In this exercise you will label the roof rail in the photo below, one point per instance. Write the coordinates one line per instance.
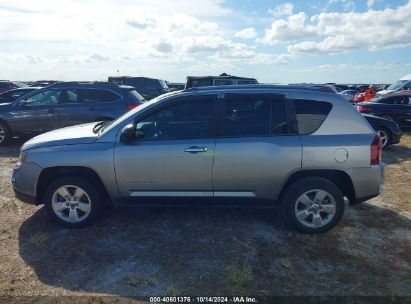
(318, 88)
(79, 83)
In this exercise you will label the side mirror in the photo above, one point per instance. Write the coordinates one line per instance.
(127, 133)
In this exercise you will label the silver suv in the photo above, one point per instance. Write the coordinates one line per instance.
(294, 145)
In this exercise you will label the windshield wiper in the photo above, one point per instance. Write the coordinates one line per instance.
(100, 125)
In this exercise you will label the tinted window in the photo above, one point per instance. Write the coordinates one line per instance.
(44, 98)
(219, 82)
(240, 82)
(247, 117)
(202, 83)
(152, 84)
(187, 120)
(88, 95)
(5, 85)
(311, 114)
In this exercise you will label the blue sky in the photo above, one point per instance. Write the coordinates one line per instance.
(275, 41)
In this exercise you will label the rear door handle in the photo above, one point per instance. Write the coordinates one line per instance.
(92, 108)
(195, 149)
(51, 111)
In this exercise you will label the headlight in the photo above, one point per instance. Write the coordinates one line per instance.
(22, 158)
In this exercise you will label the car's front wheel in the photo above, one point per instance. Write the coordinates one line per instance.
(313, 205)
(73, 201)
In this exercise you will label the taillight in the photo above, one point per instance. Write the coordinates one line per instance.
(364, 109)
(131, 106)
(376, 150)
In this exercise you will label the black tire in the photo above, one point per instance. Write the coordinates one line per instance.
(93, 191)
(388, 134)
(300, 187)
(5, 131)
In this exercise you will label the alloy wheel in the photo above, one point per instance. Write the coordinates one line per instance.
(315, 208)
(71, 203)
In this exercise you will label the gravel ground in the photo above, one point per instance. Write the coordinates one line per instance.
(134, 253)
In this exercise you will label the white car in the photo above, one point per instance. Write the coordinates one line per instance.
(402, 84)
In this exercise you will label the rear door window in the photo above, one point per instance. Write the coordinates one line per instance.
(94, 95)
(311, 114)
(254, 115)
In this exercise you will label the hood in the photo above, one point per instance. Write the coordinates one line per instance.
(383, 92)
(80, 134)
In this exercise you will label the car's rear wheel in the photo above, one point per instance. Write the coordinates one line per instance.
(384, 135)
(313, 205)
(5, 134)
(73, 201)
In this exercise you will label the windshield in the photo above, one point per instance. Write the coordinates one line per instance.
(131, 113)
(397, 85)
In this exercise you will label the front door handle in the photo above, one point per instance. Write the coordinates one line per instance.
(92, 108)
(195, 149)
(51, 111)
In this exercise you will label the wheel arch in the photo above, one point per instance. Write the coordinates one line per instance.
(340, 178)
(50, 173)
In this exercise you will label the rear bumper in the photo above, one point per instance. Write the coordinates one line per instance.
(367, 182)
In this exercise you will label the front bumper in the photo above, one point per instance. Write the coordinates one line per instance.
(26, 198)
(24, 179)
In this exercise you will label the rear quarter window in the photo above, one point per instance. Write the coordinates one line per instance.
(311, 114)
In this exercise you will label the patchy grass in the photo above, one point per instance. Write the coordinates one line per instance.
(239, 274)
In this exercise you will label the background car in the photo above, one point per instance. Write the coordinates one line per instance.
(223, 79)
(390, 133)
(396, 107)
(43, 83)
(6, 85)
(149, 88)
(65, 104)
(404, 83)
(14, 94)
